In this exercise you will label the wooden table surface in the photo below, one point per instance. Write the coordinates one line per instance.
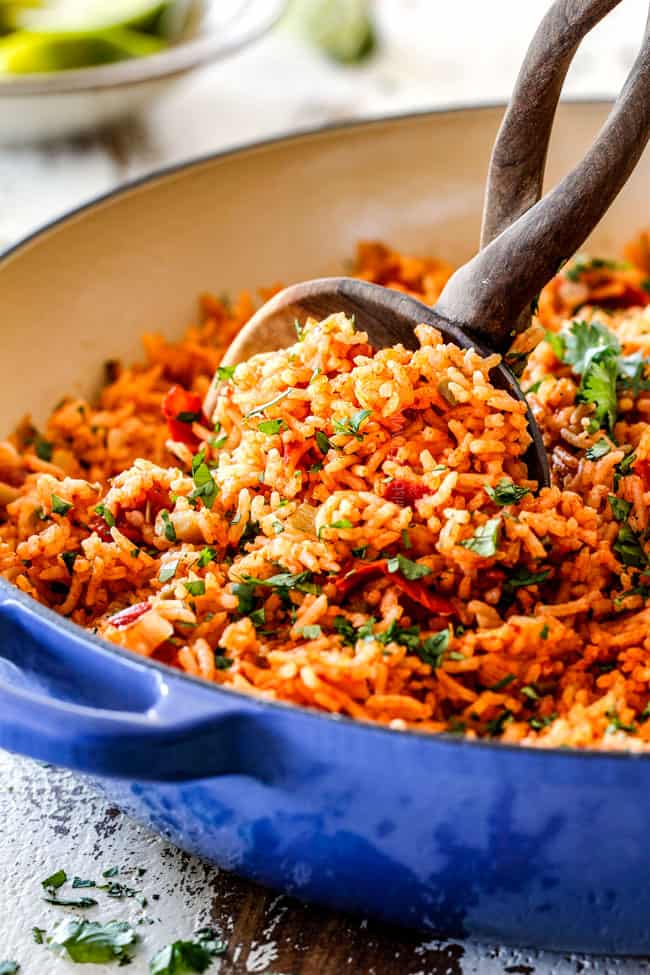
(431, 54)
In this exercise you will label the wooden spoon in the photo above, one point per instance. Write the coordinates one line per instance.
(486, 303)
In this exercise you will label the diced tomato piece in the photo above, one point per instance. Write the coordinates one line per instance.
(180, 403)
(97, 524)
(129, 615)
(404, 493)
(630, 297)
(414, 589)
(642, 468)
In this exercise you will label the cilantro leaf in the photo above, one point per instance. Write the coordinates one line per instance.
(345, 630)
(55, 881)
(168, 526)
(351, 425)
(168, 571)
(433, 649)
(222, 663)
(271, 427)
(259, 410)
(409, 569)
(584, 340)
(225, 373)
(628, 548)
(522, 577)
(598, 386)
(311, 632)
(485, 540)
(185, 957)
(207, 555)
(9, 967)
(205, 487)
(582, 264)
(322, 442)
(59, 506)
(300, 581)
(43, 448)
(620, 507)
(600, 449)
(106, 514)
(506, 492)
(245, 592)
(189, 416)
(91, 941)
(196, 587)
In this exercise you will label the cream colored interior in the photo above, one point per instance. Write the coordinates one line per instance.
(83, 291)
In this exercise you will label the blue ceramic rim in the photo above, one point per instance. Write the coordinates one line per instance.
(105, 646)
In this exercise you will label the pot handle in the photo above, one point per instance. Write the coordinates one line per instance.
(79, 703)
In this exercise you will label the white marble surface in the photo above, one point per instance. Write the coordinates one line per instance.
(431, 54)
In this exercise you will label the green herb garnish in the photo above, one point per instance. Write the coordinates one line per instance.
(225, 373)
(185, 957)
(205, 487)
(506, 492)
(44, 449)
(311, 632)
(409, 569)
(195, 587)
(620, 507)
(188, 416)
(271, 427)
(91, 941)
(628, 548)
(522, 577)
(168, 571)
(501, 684)
(59, 506)
(485, 540)
(259, 410)
(351, 425)
(9, 967)
(168, 525)
(55, 881)
(207, 555)
(106, 514)
(598, 450)
(433, 649)
(68, 559)
(322, 442)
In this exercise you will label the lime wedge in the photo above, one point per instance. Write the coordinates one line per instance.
(343, 29)
(87, 15)
(26, 53)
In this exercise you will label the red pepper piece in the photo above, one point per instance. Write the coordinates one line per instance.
(177, 402)
(404, 493)
(630, 297)
(414, 589)
(642, 468)
(129, 615)
(97, 524)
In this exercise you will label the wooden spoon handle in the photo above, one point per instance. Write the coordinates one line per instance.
(489, 293)
(516, 172)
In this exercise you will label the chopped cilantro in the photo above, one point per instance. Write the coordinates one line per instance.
(311, 632)
(529, 691)
(206, 556)
(406, 636)
(623, 468)
(433, 649)
(351, 425)
(9, 967)
(598, 450)
(188, 416)
(271, 427)
(55, 881)
(81, 902)
(406, 539)
(314, 468)
(615, 724)
(91, 941)
(628, 548)
(538, 723)
(111, 872)
(225, 373)
(496, 725)
(222, 663)
(322, 442)
(360, 553)
(544, 632)
(106, 514)
(409, 569)
(245, 593)
(300, 334)
(78, 882)
(217, 442)
(185, 957)
(485, 540)
(501, 684)
(278, 527)
(583, 264)
(258, 617)
(195, 587)
(168, 525)
(168, 571)
(522, 577)
(534, 387)
(59, 506)
(299, 581)
(44, 449)
(506, 492)
(68, 559)
(620, 507)
(205, 487)
(343, 523)
(345, 630)
(37, 935)
(598, 387)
